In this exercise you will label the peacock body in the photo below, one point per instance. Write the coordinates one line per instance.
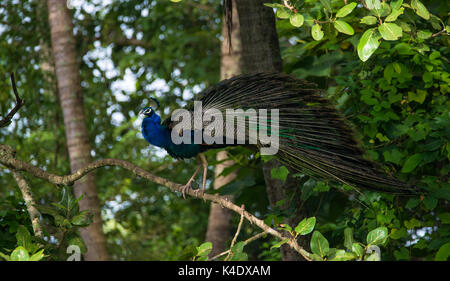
(313, 136)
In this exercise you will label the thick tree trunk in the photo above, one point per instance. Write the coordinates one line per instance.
(261, 52)
(219, 222)
(71, 99)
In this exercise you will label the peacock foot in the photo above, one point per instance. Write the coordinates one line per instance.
(185, 188)
(188, 186)
(199, 192)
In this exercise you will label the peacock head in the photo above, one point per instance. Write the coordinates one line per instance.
(149, 111)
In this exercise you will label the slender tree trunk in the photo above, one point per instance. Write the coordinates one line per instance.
(71, 99)
(261, 53)
(219, 222)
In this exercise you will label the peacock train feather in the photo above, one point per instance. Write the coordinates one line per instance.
(313, 136)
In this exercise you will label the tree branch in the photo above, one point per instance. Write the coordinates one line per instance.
(237, 233)
(251, 239)
(19, 102)
(7, 159)
(29, 201)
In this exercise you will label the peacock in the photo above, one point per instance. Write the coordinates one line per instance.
(313, 137)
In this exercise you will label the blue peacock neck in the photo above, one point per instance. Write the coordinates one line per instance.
(154, 132)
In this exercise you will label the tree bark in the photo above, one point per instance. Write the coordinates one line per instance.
(261, 53)
(71, 99)
(219, 222)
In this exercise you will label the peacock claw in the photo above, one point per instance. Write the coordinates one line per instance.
(200, 190)
(188, 186)
(183, 190)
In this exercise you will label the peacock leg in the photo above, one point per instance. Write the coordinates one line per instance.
(205, 170)
(188, 184)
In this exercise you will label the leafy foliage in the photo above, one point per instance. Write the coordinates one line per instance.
(63, 218)
(398, 103)
(391, 19)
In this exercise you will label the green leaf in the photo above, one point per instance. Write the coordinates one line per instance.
(412, 203)
(20, 254)
(241, 256)
(430, 202)
(377, 236)
(5, 257)
(347, 9)
(315, 257)
(445, 218)
(406, 28)
(280, 174)
(59, 206)
(397, 67)
(373, 4)
(84, 218)
(443, 253)
(175, 1)
(319, 244)
(267, 158)
(274, 5)
(37, 256)
(411, 163)
(398, 233)
(306, 226)
(394, 15)
(283, 13)
(412, 223)
(393, 156)
(418, 96)
(368, 44)
(357, 249)
(204, 249)
(237, 252)
(23, 237)
(296, 20)
(390, 31)
(284, 226)
(424, 34)
(343, 27)
(316, 32)
(188, 252)
(396, 4)
(382, 11)
(369, 20)
(327, 5)
(402, 254)
(381, 137)
(279, 244)
(67, 199)
(238, 247)
(420, 9)
(321, 187)
(62, 221)
(47, 210)
(348, 238)
(342, 255)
